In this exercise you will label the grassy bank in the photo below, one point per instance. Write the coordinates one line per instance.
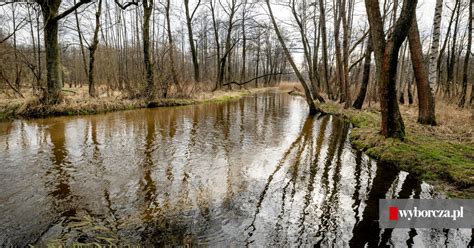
(442, 155)
(77, 102)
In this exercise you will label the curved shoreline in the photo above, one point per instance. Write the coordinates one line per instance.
(446, 164)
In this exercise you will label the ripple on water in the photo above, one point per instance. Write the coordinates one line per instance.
(255, 171)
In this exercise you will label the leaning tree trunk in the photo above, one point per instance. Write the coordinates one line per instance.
(309, 99)
(462, 99)
(426, 104)
(365, 76)
(392, 122)
(386, 55)
(92, 49)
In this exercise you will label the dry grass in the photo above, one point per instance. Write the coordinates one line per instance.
(454, 124)
(76, 101)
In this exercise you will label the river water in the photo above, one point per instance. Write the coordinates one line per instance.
(252, 172)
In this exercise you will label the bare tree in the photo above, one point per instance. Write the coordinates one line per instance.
(51, 17)
(462, 99)
(171, 50)
(435, 44)
(426, 104)
(322, 14)
(189, 21)
(309, 99)
(150, 85)
(386, 56)
(365, 76)
(93, 49)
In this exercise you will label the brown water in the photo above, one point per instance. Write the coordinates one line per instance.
(257, 172)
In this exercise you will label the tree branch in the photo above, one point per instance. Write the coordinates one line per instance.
(194, 11)
(70, 10)
(20, 25)
(126, 5)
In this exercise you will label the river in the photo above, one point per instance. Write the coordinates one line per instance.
(251, 172)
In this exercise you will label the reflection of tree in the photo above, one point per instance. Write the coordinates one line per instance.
(336, 146)
(61, 191)
(6, 127)
(183, 195)
(411, 188)
(363, 232)
(147, 185)
(299, 143)
(313, 169)
(357, 177)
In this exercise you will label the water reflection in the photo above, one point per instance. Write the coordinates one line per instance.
(253, 172)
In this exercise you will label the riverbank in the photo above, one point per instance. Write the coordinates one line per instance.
(77, 102)
(442, 155)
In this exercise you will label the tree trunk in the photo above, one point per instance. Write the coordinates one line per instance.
(174, 76)
(307, 51)
(435, 45)
(426, 104)
(339, 60)
(228, 46)
(365, 76)
(386, 55)
(322, 13)
(150, 84)
(346, 54)
(443, 47)
(309, 99)
(189, 20)
(51, 45)
(218, 47)
(462, 99)
(81, 43)
(452, 58)
(92, 49)
(392, 122)
(49, 9)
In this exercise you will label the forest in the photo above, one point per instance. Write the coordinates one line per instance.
(167, 49)
(400, 72)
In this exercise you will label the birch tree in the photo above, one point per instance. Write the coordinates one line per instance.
(435, 45)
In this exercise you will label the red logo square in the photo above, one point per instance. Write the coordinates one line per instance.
(393, 213)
